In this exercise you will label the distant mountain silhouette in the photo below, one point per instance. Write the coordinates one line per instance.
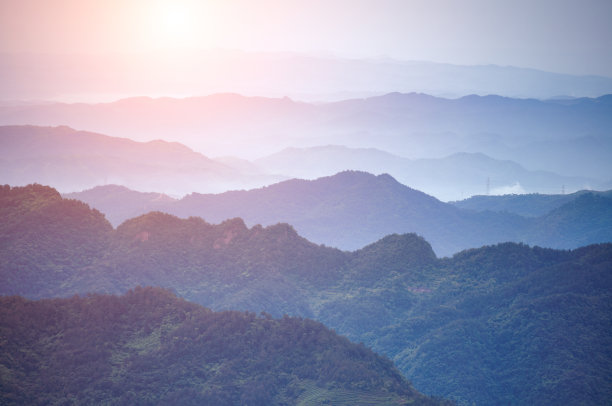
(568, 138)
(527, 205)
(75, 160)
(582, 221)
(352, 209)
(448, 178)
(121, 203)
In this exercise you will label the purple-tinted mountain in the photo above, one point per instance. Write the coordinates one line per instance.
(352, 209)
(118, 203)
(74, 160)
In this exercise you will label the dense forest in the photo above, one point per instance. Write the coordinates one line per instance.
(149, 347)
(503, 324)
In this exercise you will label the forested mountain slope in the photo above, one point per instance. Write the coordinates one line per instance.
(503, 324)
(150, 348)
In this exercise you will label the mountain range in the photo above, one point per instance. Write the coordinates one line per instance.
(502, 324)
(352, 209)
(567, 137)
(73, 160)
(447, 178)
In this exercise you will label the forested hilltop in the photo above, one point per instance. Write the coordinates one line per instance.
(503, 324)
(150, 348)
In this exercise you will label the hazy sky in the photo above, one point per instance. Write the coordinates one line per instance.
(568, 36)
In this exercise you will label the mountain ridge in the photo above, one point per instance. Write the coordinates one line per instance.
(352, 209)
(446, 178)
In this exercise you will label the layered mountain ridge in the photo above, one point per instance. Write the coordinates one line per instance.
(569, 138)
(352, 209)
(530, 324)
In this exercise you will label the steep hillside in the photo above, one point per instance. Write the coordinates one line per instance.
(46, 240)
(504, 324)
(149, 347)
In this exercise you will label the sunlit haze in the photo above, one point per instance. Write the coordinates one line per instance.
(248, 79)
(566, 36)
(211, 202)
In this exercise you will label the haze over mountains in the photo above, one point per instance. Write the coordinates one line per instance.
(449, 178)
(243, 203)
(457, 148)
(88, 77)
(503, 324)
(76, 160)
(531, 205)
(567, 137)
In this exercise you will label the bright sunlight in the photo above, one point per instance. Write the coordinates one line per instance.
(173, 24)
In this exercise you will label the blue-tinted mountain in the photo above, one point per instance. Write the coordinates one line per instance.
(448, 178)
(587, 219)
(526, 205)
(352, 209)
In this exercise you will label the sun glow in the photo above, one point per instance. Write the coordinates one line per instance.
(173, 25)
